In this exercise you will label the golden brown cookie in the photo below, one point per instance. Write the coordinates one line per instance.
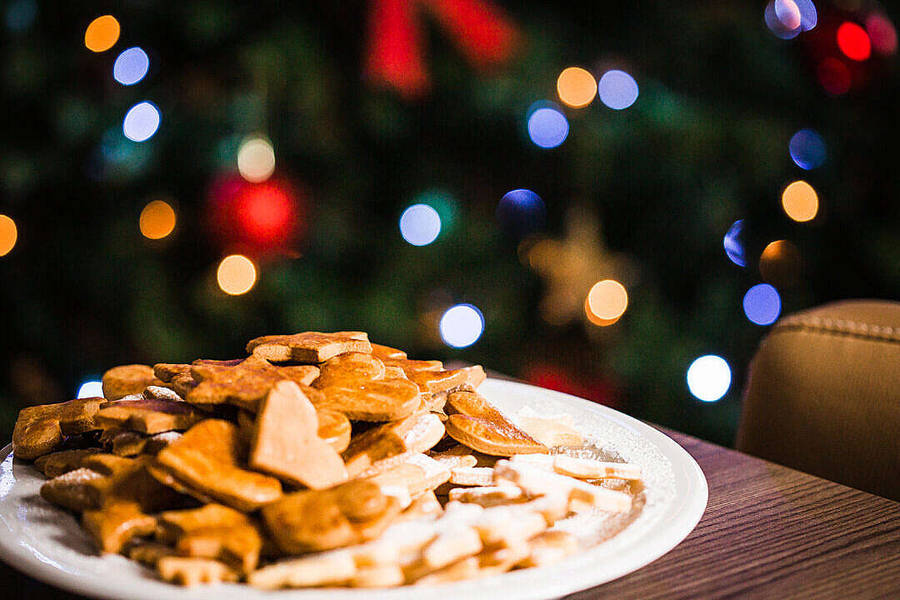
(147, 416)
(480, 426)
(378, 400)
(38, 432)
(309, 347)
(286, 443)
(416, 433)
(126, 380)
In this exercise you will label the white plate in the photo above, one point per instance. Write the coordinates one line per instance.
(47, 543)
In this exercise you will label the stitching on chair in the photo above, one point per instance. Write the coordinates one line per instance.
(841, 326)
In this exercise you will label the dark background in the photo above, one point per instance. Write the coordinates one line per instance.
(658, 184)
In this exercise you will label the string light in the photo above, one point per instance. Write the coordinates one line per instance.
(547, 125)
(102, 34)
(576, 87)
(141, 122)
(807, 149)
(762, 304)
(606, 302)
(256, 159)
(131, 66)
(461, 326)
(800, 201)
(617, 89)
(420, 224)
(734, 243)
(236, 274)
(157, 220)
(8, 234)
(709, 377)
(90, 389)
(854, 41)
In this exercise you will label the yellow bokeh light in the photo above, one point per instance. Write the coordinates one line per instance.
(8, 235)
(256, 159)
(102, 34)
(576, 87)
(236, 274)
(606, 302)
(779, 263)
(800, 201)
(157, 220)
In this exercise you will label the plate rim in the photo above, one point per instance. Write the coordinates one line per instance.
(689, 507)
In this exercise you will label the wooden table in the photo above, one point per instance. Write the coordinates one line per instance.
(768, 532)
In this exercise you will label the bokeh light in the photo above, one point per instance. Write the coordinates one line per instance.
(521, 212)
(420, 224)
(102, 33)
(882, 34)
(90, 389)
(576, 87)
(779, 263)
(606, 302)
(141, 122)
(775, 25)
(617, 89)
(809, 16)
(131, 66)
(807, 149)
(834, 76)
(762, 304)
(20, 14)
(734, 243)
(444, 202)
(709, 377)
(256, 159)
(157, 220)
(854, 41)
(547, 125)
(788, 13)
(800, 201)
(236, 274)
(461, 325)
(8, 234)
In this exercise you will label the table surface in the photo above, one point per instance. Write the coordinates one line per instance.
(768, 532)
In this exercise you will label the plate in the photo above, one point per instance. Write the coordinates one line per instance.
(48, 544)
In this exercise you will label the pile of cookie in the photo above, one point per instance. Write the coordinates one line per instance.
(320, 459)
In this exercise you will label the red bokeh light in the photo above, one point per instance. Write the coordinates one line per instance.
(882, 34)
(266, 213)
(834, 76)
(854, 41)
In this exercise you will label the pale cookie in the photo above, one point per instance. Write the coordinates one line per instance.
(509, 525)
(416, 433)
(587, 468)
(126, 380)
(381, 576)
(477, 476)
(37, 431)
(309, 347)
(453, 461)
(158, 392)
(491, 495)
(194, 571)
(206, 459)
(450, 546)
(537, 482)
(466, 568)
(286, 443)
(551, 432)
(328, 568)
(548, 548)
(423, 505)
(419, 473)
(79, 489)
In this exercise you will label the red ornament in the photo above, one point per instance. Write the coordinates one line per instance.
(255, 218)
(395, 49)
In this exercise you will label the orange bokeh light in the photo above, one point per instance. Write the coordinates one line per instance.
(606, 302)
(102, 34)
(157, 220)
(236, 274)
(800, 201)
(779, 263)
(576, 87)
(8, 235)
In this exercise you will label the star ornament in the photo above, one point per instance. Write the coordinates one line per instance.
(571, 265)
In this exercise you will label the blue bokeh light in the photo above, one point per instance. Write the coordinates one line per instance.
(617, 89)
(521, 212)
(762, 304)
(734, 243)
(420, 224)
(461, 325)
(131, 66)
(809, 16)
(547, 125)
(20, 15)
(775, 25)
(807, 149)
(141, 122)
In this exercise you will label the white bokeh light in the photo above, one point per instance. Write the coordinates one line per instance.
(709, 378)
(462, 325)
(420, 224)
(131, 66)
(141, 122)
(91, 389)
(256, 159)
